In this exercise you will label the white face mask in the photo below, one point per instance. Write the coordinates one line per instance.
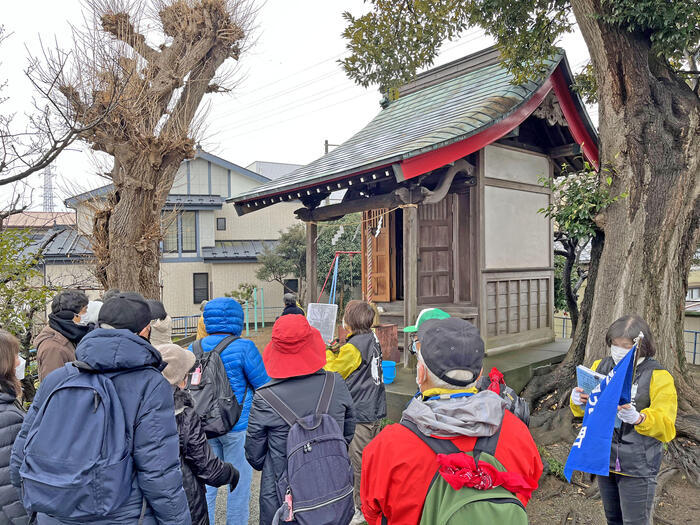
(618, 353)
(19, 370)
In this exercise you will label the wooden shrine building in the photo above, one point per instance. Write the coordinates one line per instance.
(447, 177)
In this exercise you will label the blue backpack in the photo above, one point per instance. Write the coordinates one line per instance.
(83, 469)
(316, 488)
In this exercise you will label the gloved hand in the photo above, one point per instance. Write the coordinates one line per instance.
(629, 414)
(233, 481)
(579, 397)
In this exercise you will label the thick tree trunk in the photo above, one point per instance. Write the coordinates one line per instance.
(131, 261)
(571, 299)
(650, 140)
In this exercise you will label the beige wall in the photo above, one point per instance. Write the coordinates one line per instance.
(509, 164)
(263, 224)
(178, 279)
(207, 227)
(73, 275)
(516, 236)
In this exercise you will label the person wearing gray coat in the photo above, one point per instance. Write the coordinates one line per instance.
(294, 360)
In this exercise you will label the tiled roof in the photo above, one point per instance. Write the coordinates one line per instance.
(438, 109)
(64, 243)
(40, 219)
(228, 250)
(194, 201)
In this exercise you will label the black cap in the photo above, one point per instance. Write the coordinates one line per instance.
(127, 310)
(157, 309)
(451, 344)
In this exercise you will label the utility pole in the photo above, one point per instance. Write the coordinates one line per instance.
(326, 146)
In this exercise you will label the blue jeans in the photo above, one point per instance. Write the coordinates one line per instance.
(230, 448)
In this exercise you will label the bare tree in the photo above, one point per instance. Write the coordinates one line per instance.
(172, 52)
(53, 125)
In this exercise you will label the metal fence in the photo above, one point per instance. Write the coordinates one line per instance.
(691, 338)
(185, 325)
(255, 319)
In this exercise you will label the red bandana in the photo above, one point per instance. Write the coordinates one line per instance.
(460, 471)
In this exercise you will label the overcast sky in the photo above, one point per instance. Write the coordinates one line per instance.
(292, 93)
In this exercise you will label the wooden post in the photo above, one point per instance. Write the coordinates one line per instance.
(311, 261)
(410, 275)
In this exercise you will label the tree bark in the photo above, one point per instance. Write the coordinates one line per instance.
(649, 131)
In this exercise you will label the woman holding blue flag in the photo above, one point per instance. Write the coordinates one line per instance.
(647, 422)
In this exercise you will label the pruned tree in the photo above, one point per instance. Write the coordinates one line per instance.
(30, 144)
(167, 73)
(644, 56)
(287, 258)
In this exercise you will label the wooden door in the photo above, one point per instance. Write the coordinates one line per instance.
(380, 254)
(435, 258)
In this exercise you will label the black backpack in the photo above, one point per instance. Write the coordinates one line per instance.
(516, 404)
(213, 397)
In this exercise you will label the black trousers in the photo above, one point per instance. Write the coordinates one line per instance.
(627, 500)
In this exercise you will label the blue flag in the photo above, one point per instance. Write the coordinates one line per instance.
(591, 450)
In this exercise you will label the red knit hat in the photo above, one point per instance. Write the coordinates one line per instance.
(296, 348)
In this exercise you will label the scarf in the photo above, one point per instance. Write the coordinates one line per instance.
(62, 322)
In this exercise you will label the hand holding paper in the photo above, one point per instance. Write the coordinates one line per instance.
(579, 396)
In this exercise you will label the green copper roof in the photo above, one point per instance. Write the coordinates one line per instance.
(442, 106)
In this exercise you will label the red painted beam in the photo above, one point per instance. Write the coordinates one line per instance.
(576, 125)
(420, 164)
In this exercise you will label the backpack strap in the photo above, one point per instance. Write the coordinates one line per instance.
(223, 344)
(324, 402)
(486, 444)
(439, 446)
(445, 446)
(279, 406)
(197, 349)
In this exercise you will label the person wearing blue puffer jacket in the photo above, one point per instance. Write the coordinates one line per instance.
(246, 372)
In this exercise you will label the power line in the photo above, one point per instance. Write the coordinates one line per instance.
(468, 38)
(274, 112)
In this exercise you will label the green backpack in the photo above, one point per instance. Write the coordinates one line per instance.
(447, 506)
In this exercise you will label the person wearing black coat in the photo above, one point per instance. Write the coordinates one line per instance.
(294, 359)
(291, 306)
(11, 417)
(198, 463)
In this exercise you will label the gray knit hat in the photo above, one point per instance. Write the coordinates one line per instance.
(179, 361)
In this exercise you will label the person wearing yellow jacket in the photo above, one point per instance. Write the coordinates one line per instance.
(359, 362)
(647, 422)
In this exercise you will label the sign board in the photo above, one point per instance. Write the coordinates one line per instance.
(323, 316)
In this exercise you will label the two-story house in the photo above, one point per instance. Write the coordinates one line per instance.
(207, 249)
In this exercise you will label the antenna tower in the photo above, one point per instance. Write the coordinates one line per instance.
(48, 189)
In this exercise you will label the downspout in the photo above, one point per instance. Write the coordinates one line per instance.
(439, 193)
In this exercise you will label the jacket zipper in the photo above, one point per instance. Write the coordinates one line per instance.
(314, 507)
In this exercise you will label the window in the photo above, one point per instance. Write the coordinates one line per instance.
(189, 232)
(181, 235)
(221, 223)
(170, 237)
(693, 294)
(291, 285)
(200, 285)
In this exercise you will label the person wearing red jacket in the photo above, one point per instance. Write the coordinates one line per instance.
(397, 467)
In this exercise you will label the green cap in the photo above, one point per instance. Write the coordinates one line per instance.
(426, 315)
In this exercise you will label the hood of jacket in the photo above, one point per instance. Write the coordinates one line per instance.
(223, 315)
(161, 331)
(476, 415)
(49, 333)
(107, 349)
(6, 398)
